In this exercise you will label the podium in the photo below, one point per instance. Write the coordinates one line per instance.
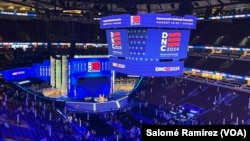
(148, 44)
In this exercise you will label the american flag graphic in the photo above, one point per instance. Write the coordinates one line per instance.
(137, 42)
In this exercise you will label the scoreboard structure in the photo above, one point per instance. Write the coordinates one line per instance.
(148, 44)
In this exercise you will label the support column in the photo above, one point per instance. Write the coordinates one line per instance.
(58, 74)
(112, 81)
(64, 75)
(52, 71)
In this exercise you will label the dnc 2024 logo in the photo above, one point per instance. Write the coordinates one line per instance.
(135, 20)
(94, 67)
(170, 41)
(116, 40)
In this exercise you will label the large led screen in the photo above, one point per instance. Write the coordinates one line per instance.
(148, 43)
(19, 73)
(148, 20)
(88, 67)
(147, 68)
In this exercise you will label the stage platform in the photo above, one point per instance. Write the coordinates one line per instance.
(96, 106)
(114, 101)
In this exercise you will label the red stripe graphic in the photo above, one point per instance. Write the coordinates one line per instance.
(167, 68)
(117, 43)
(174, 39)
(173, 44)
(95, 66)
(136, 18)
(117, 38)
(116, 34)
(176, 34)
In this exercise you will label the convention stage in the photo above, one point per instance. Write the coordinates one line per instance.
(102, 103)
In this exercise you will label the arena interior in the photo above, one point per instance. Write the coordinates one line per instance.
(37, 34)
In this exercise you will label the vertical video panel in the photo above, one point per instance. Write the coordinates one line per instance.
(118, 42)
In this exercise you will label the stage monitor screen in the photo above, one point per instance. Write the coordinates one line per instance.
(88, 67)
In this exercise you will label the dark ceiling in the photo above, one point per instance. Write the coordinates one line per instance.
(110, 7)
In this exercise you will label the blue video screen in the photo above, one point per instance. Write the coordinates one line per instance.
(88, 67)
(19, 73)
(147, 68)
(148, 43)
(148, 20)
(42, 70)
(118, 42)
